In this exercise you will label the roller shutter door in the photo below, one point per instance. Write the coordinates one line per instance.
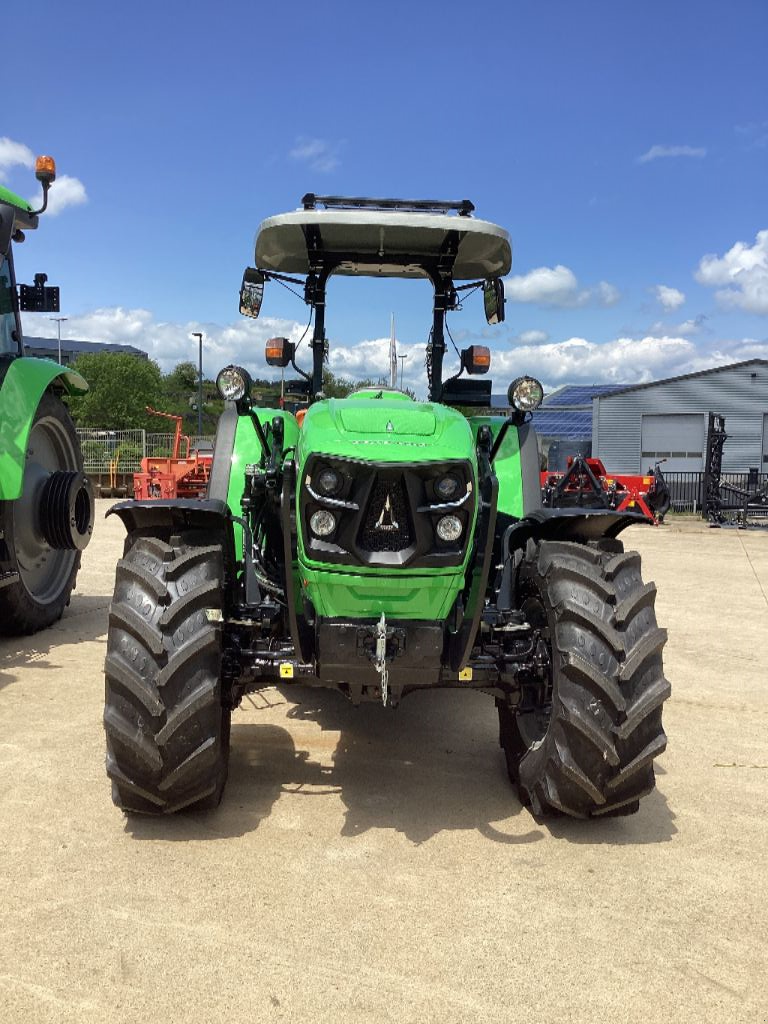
(676, 437)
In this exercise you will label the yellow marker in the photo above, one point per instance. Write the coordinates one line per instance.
(465, 675)
(286, 670)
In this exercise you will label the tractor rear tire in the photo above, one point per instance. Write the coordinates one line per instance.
(43, 578)
(588, 748)
(165, 715)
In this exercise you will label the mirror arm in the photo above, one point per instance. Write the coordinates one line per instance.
(270, 275)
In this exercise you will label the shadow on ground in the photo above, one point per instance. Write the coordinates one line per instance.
(432, 765)
(84, 619)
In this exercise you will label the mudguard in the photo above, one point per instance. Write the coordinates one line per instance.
(574, 524)
(173, 515)
(26, 380)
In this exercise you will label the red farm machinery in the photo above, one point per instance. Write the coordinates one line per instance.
(587, 484)
(175, 476)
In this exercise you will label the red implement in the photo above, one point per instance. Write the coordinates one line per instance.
(589, 479)
(174, 476)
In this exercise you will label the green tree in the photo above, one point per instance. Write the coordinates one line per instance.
(121, 386)
(181, 380)
(340, 387)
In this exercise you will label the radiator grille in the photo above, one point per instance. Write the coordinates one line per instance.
(387, 525)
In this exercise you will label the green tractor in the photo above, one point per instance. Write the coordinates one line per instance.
(46, 501)
(379, 545)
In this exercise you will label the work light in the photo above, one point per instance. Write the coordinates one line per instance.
(233, 383)
(525, 394)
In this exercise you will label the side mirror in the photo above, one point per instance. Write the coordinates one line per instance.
(476, 359)
(493, 300)
(251, 292)
(279, 352)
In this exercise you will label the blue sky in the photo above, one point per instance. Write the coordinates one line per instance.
(624, 146)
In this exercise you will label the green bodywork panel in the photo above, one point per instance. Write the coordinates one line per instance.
(247, 451)
(400, 594)
(382, 427)
(506, 465)
(20, 394)
(388, 429)
(378, 427)
(6, 196)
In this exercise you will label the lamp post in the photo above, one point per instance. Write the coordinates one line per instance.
(59, 321)
(402, 367)
(199, 336)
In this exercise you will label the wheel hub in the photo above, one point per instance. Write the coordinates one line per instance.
(67, 510)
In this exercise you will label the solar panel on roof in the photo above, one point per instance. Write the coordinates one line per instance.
(578, 394)
(563, 424)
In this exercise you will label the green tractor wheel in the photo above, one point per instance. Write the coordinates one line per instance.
(43, 532)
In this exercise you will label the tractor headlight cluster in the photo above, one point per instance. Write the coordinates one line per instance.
(233, 383)
(446, 487)
(328, 481)
(525, 394)
(449, 528)
(322, 523)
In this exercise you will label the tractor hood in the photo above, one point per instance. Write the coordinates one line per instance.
(385, 426)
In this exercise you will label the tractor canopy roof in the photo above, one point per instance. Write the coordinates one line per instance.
(383, 238)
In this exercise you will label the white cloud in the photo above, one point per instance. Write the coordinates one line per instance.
(64, 192)
(532, 337)
(318, 154)
(743, 270)
(170, 343)
(658, 152)
(574, 360)
(14, 154)
(660, 329)
(669, 298)
(558, 286)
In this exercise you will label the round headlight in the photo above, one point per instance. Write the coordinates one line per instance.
(446, 487)
(449, 528)
(525, 394)
(233, 383)
(328, 481)
(322, 523)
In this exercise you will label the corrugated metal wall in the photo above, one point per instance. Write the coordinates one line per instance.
(733, 392)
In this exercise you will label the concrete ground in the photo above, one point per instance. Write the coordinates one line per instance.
(371, 865)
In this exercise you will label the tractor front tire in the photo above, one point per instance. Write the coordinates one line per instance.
(588, 748)
(165, 715)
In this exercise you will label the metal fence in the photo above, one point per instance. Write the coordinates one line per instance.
(127, 448)
(687, 489)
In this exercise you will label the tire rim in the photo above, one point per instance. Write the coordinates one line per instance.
(533, 724)
(44, 572)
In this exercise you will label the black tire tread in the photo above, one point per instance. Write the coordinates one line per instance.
(166, 723)
(605, 731)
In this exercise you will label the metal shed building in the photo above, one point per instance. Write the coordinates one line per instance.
(633, 428)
